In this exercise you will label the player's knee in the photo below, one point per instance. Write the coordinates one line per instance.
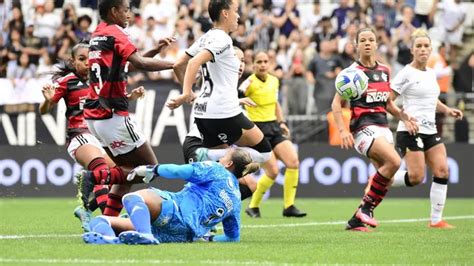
(130, 199)
(441, 172)
(264, 148)
(393, 165)
(272, 171)
(293, 163)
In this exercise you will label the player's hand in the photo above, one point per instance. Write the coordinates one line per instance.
(48, 91)
(178, 101)
(247, 102)
(145, 171)
(165, 42)
(347, 140)
(455, 113)
(410, 123)
(137, 93)
(285, 130)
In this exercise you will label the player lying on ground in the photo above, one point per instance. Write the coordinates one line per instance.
(211, 196)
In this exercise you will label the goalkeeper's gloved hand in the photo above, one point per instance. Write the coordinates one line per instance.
(145, 171)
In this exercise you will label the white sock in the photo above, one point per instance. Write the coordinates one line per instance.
(216, 154)
(399, 179)
(438, 199)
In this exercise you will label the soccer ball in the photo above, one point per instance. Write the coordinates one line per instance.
(351, 83)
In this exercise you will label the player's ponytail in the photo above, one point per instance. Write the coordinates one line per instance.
(243, 164)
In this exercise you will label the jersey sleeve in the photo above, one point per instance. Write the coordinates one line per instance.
(123, 44)
(61, 90)
(243, 88)
(231, 227)
(194, 49)
(398, 84)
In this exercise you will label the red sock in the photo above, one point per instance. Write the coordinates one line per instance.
(114, 205)
(377, 191)
(101, 195)
(105, 175)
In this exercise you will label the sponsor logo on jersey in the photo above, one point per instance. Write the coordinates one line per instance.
(95, 54)
(200, 107)
(226, 199)
(384, 77)
(377, 96)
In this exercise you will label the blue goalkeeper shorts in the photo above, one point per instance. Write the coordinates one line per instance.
(170, 227)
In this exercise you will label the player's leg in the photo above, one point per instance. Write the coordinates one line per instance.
(265, 182)
(104, 230)
(436, 159)
(287, 154)
(411, 148)
(143, 207)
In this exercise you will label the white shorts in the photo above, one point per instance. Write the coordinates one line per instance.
(83, 139)
(119, 133)
(365, 137)
(454, 37)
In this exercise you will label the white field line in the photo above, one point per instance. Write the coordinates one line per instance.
(129, 262)
(415, 220)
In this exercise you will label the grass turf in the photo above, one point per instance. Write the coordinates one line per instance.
(44, 232)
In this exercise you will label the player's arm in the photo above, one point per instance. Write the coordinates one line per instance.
(281, 120)
(148, 64)
(345, 135)
(192, 69)
(231, 226)
(162, 44)
(400, 114)
(180, 65)
(443, 108)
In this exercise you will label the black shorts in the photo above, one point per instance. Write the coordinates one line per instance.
(216, 132)
(420, 142)
(272, 132)
(190, 145)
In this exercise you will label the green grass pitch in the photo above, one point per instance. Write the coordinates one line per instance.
(44, 232)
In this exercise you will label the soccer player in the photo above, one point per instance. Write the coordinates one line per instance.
(417, 86)
(262, 89)
(370, 134)
(106, 108)
(217, 113)
(211, 196)
(71, 84)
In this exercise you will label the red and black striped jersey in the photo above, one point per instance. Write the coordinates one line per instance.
(370, 109)
(74, 91)
(110, 47)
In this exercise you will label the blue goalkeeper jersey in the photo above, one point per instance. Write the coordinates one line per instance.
(211, 196)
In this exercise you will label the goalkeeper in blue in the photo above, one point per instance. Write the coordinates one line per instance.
(211, 196)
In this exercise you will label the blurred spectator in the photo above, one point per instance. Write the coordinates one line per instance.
(288, 19)
(401, 38)
(424, 13)
(3, 58)
(387, 9)
(262, 30)
(182, 33)
(136, 31)
(19, 73)
(241, 38)
(348, 56)
(351, 32)
(82, 30)
(452, 16)
(64, 40)
(89, 3)
(324, 32)
(46, 22)
(340, 13)
(15, 44)
(33, 45)
(439, 64)
(69, 14)
(463, 77)
(310, 21)
(17, 21)
(322, 72)
(384, 43)
(297, 87)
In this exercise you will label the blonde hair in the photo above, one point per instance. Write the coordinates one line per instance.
(418, 33)
(243, 164)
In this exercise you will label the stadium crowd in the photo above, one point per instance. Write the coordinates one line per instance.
(307, 42)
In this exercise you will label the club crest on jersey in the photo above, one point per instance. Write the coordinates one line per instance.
(377, 96)
(223, 137)
(376, 77)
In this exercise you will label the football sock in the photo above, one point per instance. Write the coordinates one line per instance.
(377, 191)
(101, 225)
(103, 174)
(245, 192)
(439, 189)
(289, 186)
(138, 211)
(114, 205)
(401, 179)
(101, 195)
(264, 183)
